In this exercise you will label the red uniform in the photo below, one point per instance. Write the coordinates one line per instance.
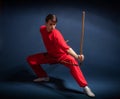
(56, 53)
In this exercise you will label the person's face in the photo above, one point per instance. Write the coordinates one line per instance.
(50, 25)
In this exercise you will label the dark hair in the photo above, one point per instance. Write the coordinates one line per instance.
(51, 17)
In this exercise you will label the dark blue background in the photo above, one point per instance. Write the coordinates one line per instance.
(19, 37)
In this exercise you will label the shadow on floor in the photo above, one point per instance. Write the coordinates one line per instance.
(56, 84)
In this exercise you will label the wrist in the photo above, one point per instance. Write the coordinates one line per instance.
(77, 57)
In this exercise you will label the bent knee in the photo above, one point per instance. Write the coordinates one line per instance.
(31, 60)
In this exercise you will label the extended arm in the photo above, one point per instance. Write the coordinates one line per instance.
(73, 53)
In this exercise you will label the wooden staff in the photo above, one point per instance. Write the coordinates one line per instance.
(82, 34)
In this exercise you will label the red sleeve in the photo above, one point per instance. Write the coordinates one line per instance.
(60, 41)
(42, 27)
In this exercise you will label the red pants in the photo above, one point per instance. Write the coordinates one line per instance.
(43, 58)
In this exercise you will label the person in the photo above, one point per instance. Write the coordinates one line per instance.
(58, 51)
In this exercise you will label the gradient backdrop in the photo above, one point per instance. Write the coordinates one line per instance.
(19, 37)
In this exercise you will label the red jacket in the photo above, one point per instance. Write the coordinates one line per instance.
(54, 42)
